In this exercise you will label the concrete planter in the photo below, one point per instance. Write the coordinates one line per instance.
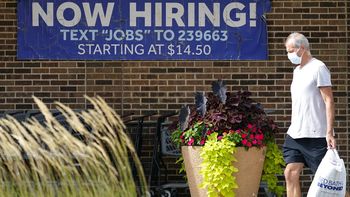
(250, 165)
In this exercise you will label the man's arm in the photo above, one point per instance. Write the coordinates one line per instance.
(327, 96)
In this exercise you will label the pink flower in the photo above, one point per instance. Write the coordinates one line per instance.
(254, 130)
(202, 142)
(244, 135)
(220, 137)
(254, 142)
(191, 141)
(244, 142)
(249, 126)
(259, 137)
(249, 144)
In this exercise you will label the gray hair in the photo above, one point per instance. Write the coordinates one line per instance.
(299, 39)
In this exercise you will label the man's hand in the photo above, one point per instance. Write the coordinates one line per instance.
(330, 141)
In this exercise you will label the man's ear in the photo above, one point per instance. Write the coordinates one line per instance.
(302, 49)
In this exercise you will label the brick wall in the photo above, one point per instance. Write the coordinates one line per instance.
(141, 87)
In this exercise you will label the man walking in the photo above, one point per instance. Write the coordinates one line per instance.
(311, 130)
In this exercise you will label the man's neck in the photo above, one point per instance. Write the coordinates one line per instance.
(305, 59)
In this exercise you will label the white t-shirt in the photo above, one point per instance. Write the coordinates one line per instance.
(308, 108)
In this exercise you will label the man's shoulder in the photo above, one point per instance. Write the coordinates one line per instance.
(317, 62)
(319, 66)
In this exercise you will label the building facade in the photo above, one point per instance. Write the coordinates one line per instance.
(141, 87)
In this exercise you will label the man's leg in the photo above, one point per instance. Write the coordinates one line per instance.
(292, 174)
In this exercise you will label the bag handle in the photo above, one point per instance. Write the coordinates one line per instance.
(335, 152)
(336, 160)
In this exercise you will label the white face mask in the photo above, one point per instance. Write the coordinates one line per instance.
(294, 58)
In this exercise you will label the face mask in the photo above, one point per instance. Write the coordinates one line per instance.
(294, 58)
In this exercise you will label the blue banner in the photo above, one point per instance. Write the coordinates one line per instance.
(142, 30)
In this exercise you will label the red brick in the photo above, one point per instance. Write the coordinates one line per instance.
(141, 86)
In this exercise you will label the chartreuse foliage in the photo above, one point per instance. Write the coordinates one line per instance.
(272, 167)
(217, 168)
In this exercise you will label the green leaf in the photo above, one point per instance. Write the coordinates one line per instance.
(217, 168)
(272, 166)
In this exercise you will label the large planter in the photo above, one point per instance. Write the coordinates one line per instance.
(250, 165)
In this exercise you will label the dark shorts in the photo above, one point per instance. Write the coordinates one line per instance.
(309, 151)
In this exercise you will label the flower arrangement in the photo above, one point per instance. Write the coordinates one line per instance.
(234, 119)
(225, 113)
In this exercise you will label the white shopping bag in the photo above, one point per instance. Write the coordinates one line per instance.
(330, 177)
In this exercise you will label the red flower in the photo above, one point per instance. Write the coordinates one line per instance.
(191, 141)
(249, 126)
(259, 137)
(202, 142)
(254, 130)
(244, 135)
